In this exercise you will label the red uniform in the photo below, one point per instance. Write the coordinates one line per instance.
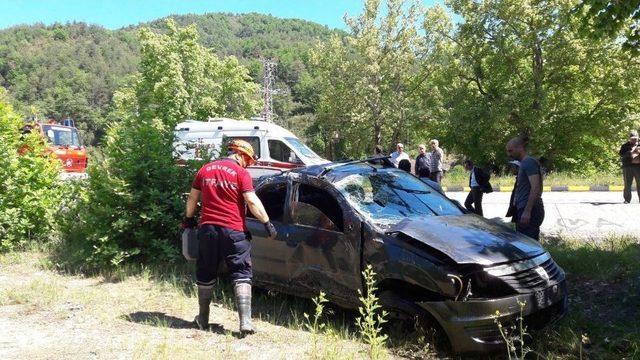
(222, 184)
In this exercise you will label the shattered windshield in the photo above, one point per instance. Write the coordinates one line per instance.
(387, 197)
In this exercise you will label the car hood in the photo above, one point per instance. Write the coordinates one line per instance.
(470, 239)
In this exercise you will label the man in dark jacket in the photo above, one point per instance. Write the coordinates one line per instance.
(630, 154)
(479, 184)
(422, 162)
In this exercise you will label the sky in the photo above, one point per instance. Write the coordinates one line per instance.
(115, 14)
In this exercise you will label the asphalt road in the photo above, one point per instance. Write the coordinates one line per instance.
(579, 214)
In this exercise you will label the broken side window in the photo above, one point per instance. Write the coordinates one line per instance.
(273, 198)
(317, 208)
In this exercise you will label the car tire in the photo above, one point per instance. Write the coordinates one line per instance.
(413, 318)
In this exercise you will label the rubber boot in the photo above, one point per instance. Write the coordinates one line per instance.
(205, 293)
(243, 302)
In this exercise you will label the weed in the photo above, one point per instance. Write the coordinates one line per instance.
(514, 342)
(314, 325)
(371, 316)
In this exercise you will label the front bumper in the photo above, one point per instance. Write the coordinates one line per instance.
(470, 325)
(72, 175)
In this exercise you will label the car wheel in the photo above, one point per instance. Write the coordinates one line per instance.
(410, 319)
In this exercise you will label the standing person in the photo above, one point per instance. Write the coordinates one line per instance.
(398, 155)
(224, 187)
(630, 154)
(479, 184)
(405, 165)
(513, 168)
(422, 162)
(437, 156)
(528, 192)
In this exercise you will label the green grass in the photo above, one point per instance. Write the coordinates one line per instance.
(603, 322)
(604, 300)
(459, 177)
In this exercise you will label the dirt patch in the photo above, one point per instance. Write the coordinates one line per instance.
(45, 315)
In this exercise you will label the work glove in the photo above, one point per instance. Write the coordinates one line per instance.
(270, 229)
(189, 223)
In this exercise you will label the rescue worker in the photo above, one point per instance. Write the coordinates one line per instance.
(224, 187)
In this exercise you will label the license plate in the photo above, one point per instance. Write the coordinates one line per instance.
(541, 298)
(545, 297)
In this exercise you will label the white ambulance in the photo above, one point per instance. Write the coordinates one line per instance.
(275, 146)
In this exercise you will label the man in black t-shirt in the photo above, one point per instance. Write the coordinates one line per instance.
(527, 197)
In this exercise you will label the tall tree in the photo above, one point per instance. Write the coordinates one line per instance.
(366, 81)
(522, 67)
(612, 18)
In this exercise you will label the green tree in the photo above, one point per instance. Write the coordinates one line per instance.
(133, 205)
(368, 81)
(31, 194)
(612, 19)
(522, 67)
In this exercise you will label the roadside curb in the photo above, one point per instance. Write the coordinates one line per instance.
(564, 188)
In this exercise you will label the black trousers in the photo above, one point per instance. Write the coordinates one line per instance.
(436, 176)
(537, 217)
(630, 173)
(473, 202)
(217, 244)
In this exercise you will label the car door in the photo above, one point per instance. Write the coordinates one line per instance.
(327, 242)
(269, 256)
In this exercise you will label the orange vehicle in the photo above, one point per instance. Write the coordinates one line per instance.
(64, 142)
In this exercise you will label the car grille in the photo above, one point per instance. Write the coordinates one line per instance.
(529, 275)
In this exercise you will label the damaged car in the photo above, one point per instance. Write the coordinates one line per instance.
(433, 260)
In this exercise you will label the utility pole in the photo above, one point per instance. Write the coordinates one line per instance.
(269, 68)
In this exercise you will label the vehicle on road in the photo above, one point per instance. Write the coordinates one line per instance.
(433, 260)
(276, 147)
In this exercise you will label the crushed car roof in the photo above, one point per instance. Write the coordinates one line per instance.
(338, 170)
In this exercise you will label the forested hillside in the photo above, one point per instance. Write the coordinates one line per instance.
(72, 70)
(400, 72)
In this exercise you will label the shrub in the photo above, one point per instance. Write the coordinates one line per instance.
(28, 184)
(132, 207)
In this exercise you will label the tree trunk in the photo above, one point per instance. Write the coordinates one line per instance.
(398, 129)
(538, 75)
(377, 135)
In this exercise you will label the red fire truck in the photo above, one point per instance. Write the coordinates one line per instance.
(63, 141)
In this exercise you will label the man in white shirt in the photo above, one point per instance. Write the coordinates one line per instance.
(399, 154)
